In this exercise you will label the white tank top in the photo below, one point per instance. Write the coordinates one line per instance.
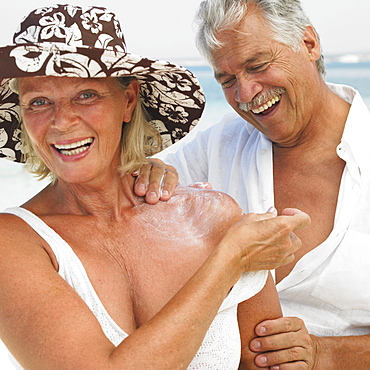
(221, 347)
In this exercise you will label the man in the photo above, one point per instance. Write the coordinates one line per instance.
(297, 142)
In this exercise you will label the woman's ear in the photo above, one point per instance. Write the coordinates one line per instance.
(312, 43)
(131, 94)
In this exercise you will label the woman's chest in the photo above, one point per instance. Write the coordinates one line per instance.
(136, 274)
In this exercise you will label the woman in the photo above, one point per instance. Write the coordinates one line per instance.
(92, 277)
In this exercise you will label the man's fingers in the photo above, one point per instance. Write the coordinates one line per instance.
(156, 177)
(155, 180)
(284, 342)
(142, 180)
(280, 325)
(287, 359)
(169, 182)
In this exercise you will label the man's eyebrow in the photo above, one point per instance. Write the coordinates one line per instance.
(219, 75)
(256, 57)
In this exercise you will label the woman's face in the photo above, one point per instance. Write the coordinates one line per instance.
(75, 124)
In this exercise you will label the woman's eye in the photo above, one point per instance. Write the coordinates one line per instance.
(38, 102)
(87, 95)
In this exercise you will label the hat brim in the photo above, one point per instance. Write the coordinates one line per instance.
(170, 93)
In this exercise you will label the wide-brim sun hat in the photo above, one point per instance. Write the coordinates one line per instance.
(73, 41)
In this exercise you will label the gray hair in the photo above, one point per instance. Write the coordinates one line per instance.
(285, 18)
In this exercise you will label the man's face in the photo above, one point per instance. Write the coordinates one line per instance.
(266, 82)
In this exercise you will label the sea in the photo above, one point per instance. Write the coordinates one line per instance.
(17, 185)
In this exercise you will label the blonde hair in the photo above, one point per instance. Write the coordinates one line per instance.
(138, 141)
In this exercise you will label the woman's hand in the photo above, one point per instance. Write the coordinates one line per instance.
(265, 241)
(156, 181)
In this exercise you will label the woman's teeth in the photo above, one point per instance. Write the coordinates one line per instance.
(74, 148)
(267, 105)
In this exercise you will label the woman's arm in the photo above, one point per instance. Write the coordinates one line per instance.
(46, 324)
(264, 305)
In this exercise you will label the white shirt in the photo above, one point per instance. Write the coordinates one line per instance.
(329, 288)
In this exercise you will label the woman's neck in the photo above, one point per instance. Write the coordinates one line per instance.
(106, 200)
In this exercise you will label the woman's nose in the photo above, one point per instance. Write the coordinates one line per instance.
(65, 116)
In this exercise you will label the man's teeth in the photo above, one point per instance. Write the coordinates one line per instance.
(267, 105)
(74, 148)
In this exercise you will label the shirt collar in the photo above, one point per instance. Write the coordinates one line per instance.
(356, 136)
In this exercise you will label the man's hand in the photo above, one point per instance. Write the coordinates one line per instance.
(286, 344)
(155, 181)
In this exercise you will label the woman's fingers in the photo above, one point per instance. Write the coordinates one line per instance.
(266, 241)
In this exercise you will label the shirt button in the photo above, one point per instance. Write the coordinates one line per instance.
(263, 152)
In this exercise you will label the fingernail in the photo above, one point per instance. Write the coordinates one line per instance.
(152, 194)
(141, 187)
(257, 344)
(262, 360)
(262, 330)
(165, 193)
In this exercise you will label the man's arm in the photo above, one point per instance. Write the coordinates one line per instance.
(264, 305)
(292, 346)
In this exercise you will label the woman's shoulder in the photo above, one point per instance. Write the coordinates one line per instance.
(205, 198)
(18, 236)
(200, 213)
(209, 207)
(10, 224)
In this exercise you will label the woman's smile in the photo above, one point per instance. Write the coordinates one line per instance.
(75, 148)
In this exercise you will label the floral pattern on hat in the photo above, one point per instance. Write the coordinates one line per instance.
(66, 40)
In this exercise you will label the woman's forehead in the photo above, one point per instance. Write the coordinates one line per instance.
(39, 82)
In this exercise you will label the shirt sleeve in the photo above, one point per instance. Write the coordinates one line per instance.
(189, 157)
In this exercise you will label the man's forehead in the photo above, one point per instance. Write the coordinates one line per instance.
(223, 66)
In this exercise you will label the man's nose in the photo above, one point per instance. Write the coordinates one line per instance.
(247, 88)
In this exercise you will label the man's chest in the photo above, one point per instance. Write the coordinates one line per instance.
(317, 195)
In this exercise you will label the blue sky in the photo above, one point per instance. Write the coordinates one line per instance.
(163, 28)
